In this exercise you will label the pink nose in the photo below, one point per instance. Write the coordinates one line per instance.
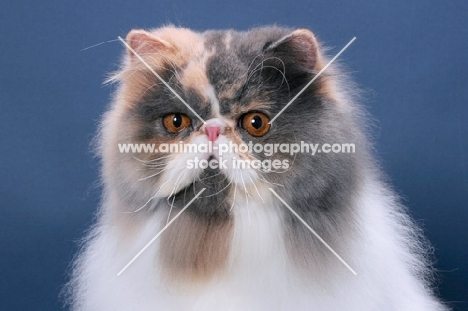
(213, 132)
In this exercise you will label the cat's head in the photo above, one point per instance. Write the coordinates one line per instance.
(231, 85)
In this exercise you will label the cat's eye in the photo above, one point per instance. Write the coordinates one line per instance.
(255, 123)
(176, 122)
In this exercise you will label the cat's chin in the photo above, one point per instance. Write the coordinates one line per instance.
(213, 180)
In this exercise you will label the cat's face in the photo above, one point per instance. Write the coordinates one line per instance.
(236, 83)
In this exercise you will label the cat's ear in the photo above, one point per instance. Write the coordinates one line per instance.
(143, 42)
(299, 47)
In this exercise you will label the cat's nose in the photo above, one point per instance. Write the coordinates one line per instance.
(213, 128)
(213, 132)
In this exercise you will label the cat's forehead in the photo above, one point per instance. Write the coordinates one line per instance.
(233, 53)
(221, 64)
(217, 72)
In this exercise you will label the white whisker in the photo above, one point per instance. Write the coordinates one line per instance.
(235, 192)
(247, 195)
(211, 195)
(256, 189)
(96, 45)
(173, 199)
(270, 183)
(153, 175)
(152, 166)
(151, 161)
(159, 190)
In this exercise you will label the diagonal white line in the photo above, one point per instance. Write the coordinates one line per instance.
(311, 81)
(160, 232)
(315, 233)
(161, 79)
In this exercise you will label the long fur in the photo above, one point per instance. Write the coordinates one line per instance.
(237, 247)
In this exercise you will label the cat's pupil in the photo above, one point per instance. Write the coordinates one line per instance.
(177, 120)
(256, 122)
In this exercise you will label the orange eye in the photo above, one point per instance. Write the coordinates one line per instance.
(176, 122)
(255, 123)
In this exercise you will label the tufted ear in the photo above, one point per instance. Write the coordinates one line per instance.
(299, 49)
(143, 42)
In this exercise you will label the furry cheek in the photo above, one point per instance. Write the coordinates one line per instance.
(178, 173)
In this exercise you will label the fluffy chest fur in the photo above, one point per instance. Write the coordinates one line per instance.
(259, 272)
(254, 270)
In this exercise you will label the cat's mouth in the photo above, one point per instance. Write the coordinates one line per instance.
(212, 179)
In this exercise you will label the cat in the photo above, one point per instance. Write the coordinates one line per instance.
(237, 246)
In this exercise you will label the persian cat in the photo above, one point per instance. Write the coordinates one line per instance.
(237, 245)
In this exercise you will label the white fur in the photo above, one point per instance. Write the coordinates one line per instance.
(260, 276)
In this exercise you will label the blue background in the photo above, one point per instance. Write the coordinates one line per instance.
(410, 59)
